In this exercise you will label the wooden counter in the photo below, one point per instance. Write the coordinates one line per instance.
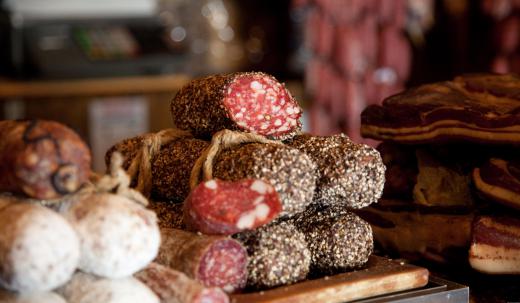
(91, 87)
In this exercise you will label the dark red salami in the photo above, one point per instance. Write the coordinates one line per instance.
(42, 159)
(172, 286)
(250, 102)
(217, 207)
(215, 261)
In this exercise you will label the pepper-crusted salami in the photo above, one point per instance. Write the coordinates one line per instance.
(338, 239)
(289, 171)
(215, 261)
(250, 102)
(39, 249)
(278, 255)
(175, 287)
(42, 159)
(169, 214)
(217, 207)
(349, 174)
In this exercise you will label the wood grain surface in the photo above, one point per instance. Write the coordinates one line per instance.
(379, 276)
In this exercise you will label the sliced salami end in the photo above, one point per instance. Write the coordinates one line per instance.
(224, 208)
(224, 265)
(258, 103)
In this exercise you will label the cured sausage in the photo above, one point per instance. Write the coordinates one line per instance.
(118, 236)
(39, 249)
(42, 159)
(349, 174)
(250, 102)
(337, 238)
(173, 286)
(218, 207)
(278, 255)
(214, 261)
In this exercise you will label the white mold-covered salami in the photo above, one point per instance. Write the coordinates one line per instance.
(39, 250)
(118, 236)
(86, 288)
(45, 297)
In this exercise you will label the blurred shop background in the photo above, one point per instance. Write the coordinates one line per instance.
(108, 68)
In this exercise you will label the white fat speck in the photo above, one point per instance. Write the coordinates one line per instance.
(289, 110)
(296, 110)
(255, 85)
(228, 288)
(242, 123)
(229, 91)
(239, 115)
(264, 126)
(258, 200)
(283, 128)
(282, 101)
(260, 117)
(262, 211)
(243, 109)
(259, 186)
(276, 108)
(278, 122)
(246, 220)
(212, 184)
(294, 122)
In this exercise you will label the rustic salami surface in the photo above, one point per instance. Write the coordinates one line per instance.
(172, 286)
(217, 207)
(42, 159)
(250, 102)
(169, 214)
(349, 174)
(215, 261)
(337, 238)
(289, 171)
(278, 255)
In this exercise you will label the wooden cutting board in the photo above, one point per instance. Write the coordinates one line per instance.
(380, 276)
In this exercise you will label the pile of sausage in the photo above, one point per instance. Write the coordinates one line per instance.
(273, 212)
(62, 243)
(360, 54)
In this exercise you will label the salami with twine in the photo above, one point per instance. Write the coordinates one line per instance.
(251, 102)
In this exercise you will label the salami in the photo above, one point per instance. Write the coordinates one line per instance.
(218, 207)
(39, 250)
(173, 286)
(337, 238)
(42, 159)
(278, 255)
(289, 171)
(250, 102)
(169, 214)
(214, 261)
(349, 174)
(118, 236)
(85, 288)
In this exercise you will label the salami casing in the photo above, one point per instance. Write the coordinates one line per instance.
(349, 174)
(218, 207)
(39, 249)
(337, 238)
(172, 286)
(42, 159)
(250, 102)
(215, 261)
(278, 255)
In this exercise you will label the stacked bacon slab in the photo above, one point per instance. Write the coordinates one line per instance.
(462, 139)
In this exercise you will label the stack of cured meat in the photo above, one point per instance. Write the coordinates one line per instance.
(453, 182)
(246, 201)
(63, 238)
(360, 55)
